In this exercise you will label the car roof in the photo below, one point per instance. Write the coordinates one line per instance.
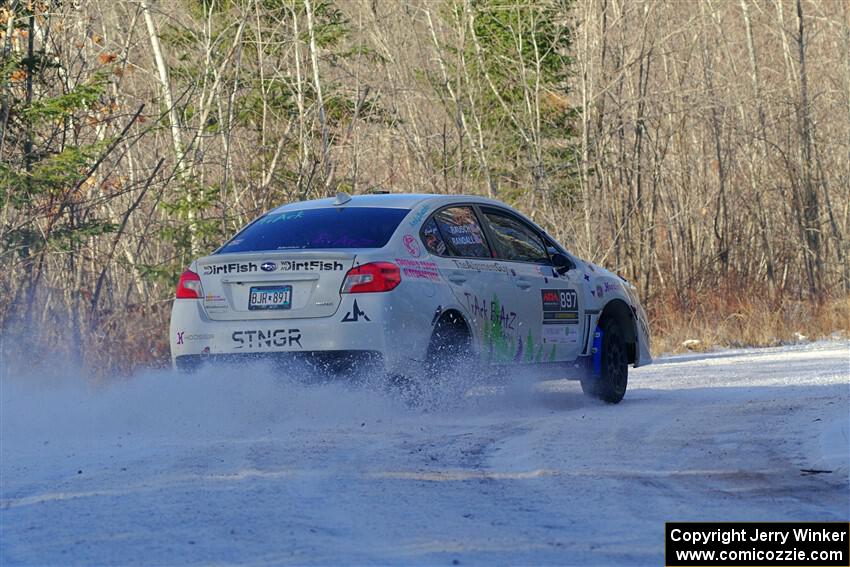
(406, 201)
(388, 200)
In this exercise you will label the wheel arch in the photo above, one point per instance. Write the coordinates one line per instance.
(620, 312)
(450, 328)
(454, 318)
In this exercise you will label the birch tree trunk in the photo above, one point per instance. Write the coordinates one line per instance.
(174, 122)
(314, 59)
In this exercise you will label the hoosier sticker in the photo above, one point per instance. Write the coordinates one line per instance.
(558, 334)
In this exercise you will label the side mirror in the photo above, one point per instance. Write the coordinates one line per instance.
(561, 263)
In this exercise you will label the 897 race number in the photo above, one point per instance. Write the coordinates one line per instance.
(560, 300)
(560, 306)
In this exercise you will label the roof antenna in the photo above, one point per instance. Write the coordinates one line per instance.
(342, 198)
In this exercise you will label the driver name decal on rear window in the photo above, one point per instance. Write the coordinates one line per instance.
(560, 306)
(460, 228)
(464, 235)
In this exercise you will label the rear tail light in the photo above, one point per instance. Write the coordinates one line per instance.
(189, 286)
(372, 277)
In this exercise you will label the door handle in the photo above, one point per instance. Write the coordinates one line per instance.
(457, 278)
(523, 284)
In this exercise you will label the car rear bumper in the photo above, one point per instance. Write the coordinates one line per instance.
(378, 328)
(341, 362)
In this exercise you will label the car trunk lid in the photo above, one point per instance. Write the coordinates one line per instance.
(273, 285)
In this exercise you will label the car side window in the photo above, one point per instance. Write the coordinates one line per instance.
(461, 232)
(515, 240)
(551, 247)
(432, 238)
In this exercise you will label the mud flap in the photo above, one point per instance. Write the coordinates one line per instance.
(594, 361)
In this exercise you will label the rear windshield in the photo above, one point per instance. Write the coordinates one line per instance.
(349, 227)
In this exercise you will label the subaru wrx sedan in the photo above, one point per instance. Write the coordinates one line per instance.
(403, 283)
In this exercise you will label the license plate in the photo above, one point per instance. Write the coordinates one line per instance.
(270, 297)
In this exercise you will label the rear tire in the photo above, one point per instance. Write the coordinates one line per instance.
(610, 386)
(450, 347)
(442, 375)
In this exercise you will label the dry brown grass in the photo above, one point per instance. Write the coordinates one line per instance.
(125, 342)
(734, 318)
(116, 346)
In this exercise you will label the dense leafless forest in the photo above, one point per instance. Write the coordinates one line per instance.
(701, 148)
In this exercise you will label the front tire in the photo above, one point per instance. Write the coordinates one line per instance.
(611, 383)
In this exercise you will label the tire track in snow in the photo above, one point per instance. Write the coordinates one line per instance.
(326, 475)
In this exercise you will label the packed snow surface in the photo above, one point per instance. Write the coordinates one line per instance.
(245, 466)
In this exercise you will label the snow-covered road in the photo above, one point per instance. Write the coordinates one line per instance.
(245, 467)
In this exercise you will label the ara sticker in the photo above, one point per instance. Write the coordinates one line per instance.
(560, 306)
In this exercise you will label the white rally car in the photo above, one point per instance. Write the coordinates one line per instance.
(403, 282)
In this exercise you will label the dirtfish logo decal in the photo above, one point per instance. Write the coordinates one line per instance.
(314, 265)
(232, 268)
